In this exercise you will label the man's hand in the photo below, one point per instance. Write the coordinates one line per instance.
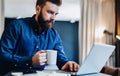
(71, 66)
(39, 58)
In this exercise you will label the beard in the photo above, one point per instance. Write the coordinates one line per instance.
(44, 24)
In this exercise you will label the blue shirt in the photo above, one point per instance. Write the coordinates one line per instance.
(20, 41)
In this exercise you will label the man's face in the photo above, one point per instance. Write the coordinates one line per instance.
(47, 15)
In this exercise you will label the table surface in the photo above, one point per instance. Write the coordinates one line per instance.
(50, 73)
(99, 74)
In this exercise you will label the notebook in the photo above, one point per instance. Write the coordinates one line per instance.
(96, 59)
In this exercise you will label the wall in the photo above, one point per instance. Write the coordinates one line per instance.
(69, 35)
(19, 6)
(1, 17)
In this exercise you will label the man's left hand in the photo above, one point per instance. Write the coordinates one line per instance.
(71, 66)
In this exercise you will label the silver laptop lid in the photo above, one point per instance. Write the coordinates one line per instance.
(96, 59)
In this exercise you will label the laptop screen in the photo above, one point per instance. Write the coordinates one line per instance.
(96, 59)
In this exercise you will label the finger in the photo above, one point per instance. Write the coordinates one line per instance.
(75, 66)
(78, 67)
(64, 67)
(42, 51)
(43, 55)
(42, 59)
(71, 66)
(42, 63)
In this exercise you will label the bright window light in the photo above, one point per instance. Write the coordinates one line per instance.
(118, 37)
(99, 31)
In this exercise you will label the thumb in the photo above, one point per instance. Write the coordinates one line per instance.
(64, 67)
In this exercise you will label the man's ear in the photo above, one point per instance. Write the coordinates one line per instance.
(38, 9)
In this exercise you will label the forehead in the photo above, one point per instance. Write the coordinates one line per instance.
(51, 6)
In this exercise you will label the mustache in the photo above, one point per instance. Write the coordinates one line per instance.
(50, 21)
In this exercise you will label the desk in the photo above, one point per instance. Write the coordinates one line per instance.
(53, 73)
(100, 74)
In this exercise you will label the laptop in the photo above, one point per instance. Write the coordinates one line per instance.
(96, 59)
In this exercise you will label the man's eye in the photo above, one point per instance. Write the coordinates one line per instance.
(56, 14)
(50, 12)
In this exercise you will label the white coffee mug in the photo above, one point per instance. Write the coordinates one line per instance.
(51, 57)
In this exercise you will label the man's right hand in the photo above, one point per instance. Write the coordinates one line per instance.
(39, 58)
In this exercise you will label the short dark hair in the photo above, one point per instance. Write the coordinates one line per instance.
(42, 2)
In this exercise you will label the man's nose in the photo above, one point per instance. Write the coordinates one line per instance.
(53, 17)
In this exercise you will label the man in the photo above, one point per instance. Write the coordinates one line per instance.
(24, 41)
